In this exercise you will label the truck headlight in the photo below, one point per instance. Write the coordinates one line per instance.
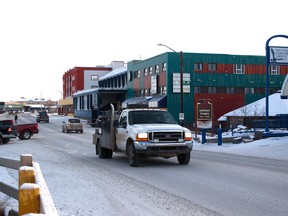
(188, 136)
(142, 137)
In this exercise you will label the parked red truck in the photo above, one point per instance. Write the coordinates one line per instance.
(23, 131)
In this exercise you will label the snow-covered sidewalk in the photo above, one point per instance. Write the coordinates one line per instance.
(272, 148)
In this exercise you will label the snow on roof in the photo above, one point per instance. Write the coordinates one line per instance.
(85, 91)
(258, 108)
(115, 72)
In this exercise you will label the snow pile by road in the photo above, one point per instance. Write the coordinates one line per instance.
(272, 148)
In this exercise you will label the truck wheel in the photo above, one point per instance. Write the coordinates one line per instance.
(5, 140)
(109, 153)
(26, 135)
(101, 151)
(184, 159)
(133, 157)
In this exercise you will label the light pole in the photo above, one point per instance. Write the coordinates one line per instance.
(181, 114)
(61, 94)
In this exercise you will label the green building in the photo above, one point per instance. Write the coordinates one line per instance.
(226, 81)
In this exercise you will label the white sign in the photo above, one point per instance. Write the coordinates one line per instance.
(204, 124)
(278, 55)
(176, 83)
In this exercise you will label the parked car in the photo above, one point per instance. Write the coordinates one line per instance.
(72, 124)
(11, 112)
(42, 117)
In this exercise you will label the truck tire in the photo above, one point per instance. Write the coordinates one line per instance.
(133, 157)
(109, 153)
(184, 159)
(5, 140)
(100, 150)
(25, 135)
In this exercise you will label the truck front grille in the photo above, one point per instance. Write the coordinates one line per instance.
(166, 137)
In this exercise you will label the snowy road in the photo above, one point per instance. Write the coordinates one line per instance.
(212, 184)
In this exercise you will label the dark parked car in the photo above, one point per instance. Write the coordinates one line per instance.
(42, 117)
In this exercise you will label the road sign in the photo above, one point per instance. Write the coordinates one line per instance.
(278, 55)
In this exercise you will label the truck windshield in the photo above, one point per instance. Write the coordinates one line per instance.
(150, 117)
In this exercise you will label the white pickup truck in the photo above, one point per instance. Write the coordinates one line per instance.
(140, 133)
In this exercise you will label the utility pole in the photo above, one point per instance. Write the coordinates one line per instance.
(181, 114)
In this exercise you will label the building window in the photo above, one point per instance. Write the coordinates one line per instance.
(239, 69)
(211, 89)
(200, 89)
(220, 90)
(94, 77)
(198, 66)
(212, 66)
(239, 90)
(164, 66)
(162, 89)
(156, 68)
(94, 86)
(249, 90)
(137, 74)
(230, 90)
(130, 76)
(274, 70)
(150, 70)
(146, 72)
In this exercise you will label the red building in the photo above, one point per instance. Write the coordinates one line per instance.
(82, 78)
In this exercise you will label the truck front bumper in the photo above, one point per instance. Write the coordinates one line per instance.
(163, 149)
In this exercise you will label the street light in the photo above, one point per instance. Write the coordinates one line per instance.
(181, 114)
(61, 94)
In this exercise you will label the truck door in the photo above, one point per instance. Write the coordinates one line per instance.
(121, 131)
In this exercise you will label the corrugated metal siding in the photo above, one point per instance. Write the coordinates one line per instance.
(250, 98)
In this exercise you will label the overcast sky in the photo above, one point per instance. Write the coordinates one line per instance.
(41, 40)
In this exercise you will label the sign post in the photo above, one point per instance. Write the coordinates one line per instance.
(274, 56)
